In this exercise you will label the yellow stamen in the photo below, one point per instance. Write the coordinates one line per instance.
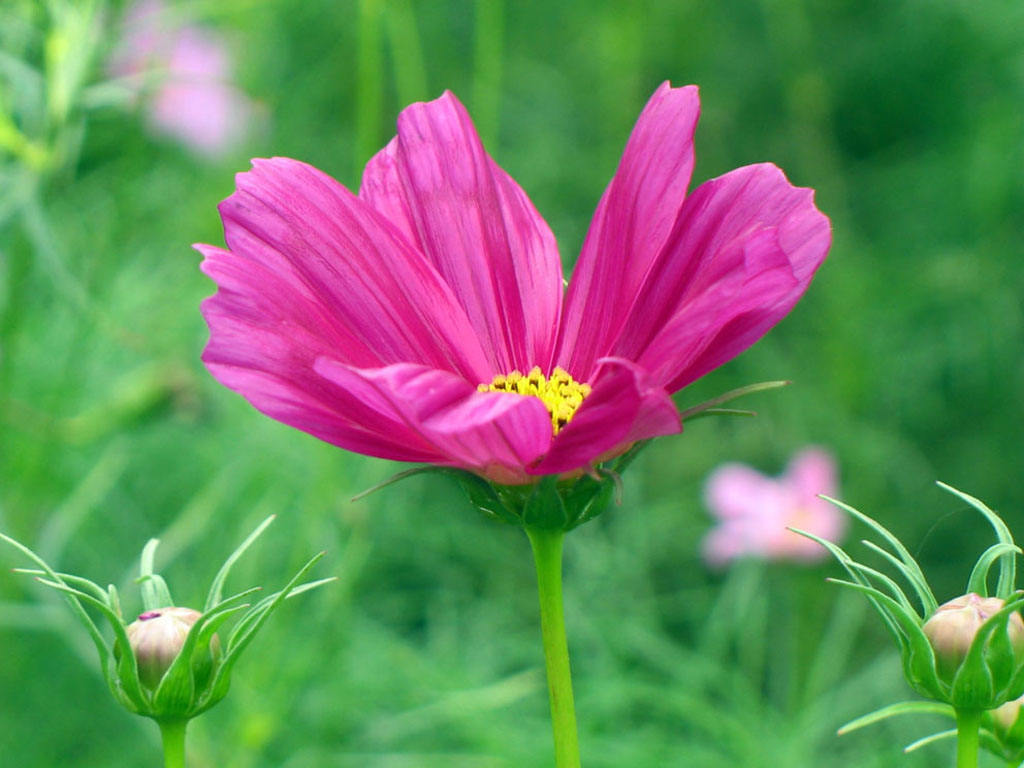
(560, 392)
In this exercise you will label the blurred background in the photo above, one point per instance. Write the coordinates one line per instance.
(906, 116)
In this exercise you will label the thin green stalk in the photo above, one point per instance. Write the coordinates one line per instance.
(968, 723)
(547, 557)
(487, 61)
(173, 734)
(369, 83)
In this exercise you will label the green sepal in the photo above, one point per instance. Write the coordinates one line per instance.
(240, 638)
(217, 587)
(155, 594)
(978, 582)
(128, 689)
(544, 508)
(848, 563)
(1008, 562)
(108, 665)
(918, 657)
(923, 742)
(910, 566)
(485, 497)
(692, 412)
(587, 498)
(992, 743)
(900, 708)
(399, 476)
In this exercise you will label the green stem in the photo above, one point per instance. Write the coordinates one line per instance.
(968, 723)
(547, 556)
(173, 735)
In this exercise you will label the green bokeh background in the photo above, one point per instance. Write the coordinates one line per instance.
(906, 116)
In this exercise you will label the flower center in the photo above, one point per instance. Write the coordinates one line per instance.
(560, 393)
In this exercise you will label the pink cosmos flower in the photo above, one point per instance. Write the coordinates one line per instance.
(193, 99)
(424, 320)
(754, 511)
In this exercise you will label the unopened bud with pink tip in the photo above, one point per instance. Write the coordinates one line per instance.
(157, 637)
(953, 627)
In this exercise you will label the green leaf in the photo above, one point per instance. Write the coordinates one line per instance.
(917, 579)
(217, 587)
(929, 739)
(1008, 562)
(901, 708)
(978, 583)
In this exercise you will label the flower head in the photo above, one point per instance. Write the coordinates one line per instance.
(189, 66)
(424, 320)
(755, 511)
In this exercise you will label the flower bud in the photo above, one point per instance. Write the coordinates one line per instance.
(953, 627)
(1006, 716)
(157, 637)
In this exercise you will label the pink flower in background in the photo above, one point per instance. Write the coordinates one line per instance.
(424, 320)
(754, 510)
(188, 70)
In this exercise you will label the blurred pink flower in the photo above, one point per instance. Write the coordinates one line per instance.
(754, 510)
(408, 322)
(187, 68)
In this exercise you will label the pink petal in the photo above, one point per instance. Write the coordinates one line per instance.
(494, 434)
(624, 406)
(737, 491)
(629, 228)
(265, 336)
(441, 189)
(742, 253)
(349, 276)
(813, 471)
